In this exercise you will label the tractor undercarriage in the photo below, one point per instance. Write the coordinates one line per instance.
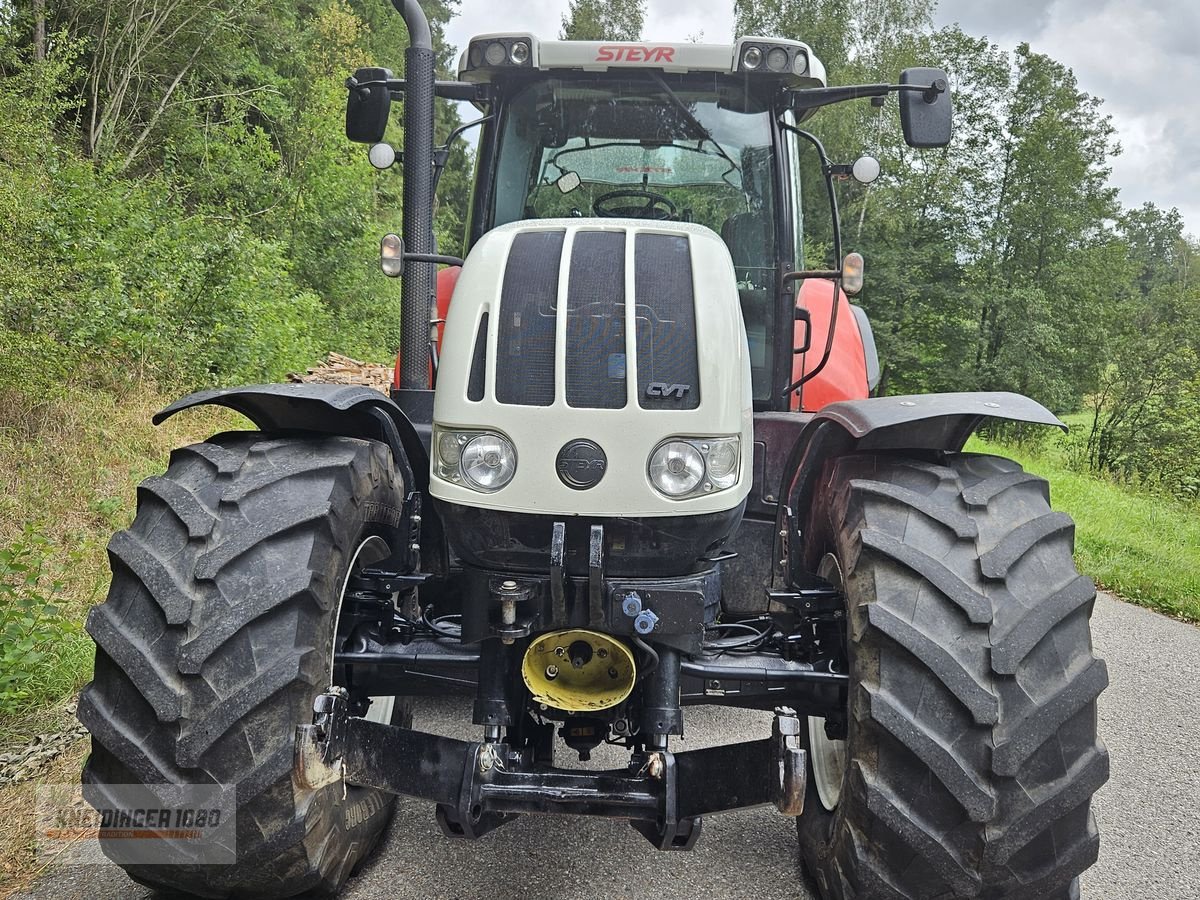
(513, 637)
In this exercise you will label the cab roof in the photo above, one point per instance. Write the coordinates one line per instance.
(791, 64)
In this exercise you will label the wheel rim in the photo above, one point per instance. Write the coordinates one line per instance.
(827, 757)
(372, 550)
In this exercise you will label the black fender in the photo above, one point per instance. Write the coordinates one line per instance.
(341, 409)
(921, 422)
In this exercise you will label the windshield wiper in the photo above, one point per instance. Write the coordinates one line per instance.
(682, 107)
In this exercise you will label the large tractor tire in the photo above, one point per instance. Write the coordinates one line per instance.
(971, 754)
(217, 635)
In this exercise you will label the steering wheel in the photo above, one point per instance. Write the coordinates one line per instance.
(656, 206)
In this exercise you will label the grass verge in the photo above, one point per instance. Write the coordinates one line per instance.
(69, 464)
(70, 459)
(1143, 547)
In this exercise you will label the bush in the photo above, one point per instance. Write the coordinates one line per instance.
(1146, 423)
(39, 645)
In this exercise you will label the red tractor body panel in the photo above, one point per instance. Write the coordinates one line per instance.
(844, 377)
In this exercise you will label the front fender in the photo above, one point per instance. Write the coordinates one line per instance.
(348, 410)
(920, 422)
(929, 421)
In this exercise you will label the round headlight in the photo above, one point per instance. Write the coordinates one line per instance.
(801, 65)
(495, 53)
(676, 468)
(519, 53)
(777, 59)
(488, 462)
(752, 58)
(722, 462)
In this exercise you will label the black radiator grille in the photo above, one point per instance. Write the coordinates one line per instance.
(668, 370)
(667, 366)
(528, 306)
(596, 321)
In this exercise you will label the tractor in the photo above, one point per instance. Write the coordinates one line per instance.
(631, 463)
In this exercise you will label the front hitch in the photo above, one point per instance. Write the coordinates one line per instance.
(478, 786)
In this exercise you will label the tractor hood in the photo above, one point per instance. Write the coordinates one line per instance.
(594, 367)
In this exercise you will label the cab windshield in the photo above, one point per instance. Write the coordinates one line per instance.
(695, 149)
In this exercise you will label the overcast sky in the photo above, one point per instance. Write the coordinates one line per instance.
(1141, 56)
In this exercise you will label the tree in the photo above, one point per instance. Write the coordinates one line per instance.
(597, 20)
(1046, 278)
(1146, 409)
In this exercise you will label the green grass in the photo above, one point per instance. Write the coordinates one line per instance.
(1143, 547)
(69, 466)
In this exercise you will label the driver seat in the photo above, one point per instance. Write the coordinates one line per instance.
(748, 237)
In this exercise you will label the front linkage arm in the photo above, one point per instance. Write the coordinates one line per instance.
(479, 786)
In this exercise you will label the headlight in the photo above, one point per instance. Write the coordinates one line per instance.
(722, 461)
(479, 459)
(676, 468)
(685, 466)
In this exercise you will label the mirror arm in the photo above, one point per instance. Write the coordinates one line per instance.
(813, 98)
(457, 132)
(826, 168)
(442, 154)
(447, 90)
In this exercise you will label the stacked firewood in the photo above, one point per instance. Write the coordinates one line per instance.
(339, 369)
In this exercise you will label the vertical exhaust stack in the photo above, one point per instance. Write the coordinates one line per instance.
(418, 284)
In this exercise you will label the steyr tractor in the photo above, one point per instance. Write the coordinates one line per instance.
(631, 463)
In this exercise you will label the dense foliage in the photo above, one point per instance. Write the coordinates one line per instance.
(176, 194)
(603, 20)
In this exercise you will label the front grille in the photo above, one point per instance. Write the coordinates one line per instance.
(668, 369)
(597, 344)
(528, 309)
(596, 321)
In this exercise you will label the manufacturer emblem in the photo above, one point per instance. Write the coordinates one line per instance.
(662, 389)
(581, 464)
(618, 53)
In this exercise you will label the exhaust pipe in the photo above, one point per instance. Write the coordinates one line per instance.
(417, 288)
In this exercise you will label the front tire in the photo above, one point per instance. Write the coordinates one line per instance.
(971, 752)
(217, 635)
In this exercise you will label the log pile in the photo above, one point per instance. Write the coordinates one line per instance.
(339, 369)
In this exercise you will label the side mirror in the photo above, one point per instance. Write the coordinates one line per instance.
(367, 105)
(926, 116)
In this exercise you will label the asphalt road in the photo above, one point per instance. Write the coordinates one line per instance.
(1149, 813)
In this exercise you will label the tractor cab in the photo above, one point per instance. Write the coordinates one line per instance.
(704, 134)
(690, 133)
